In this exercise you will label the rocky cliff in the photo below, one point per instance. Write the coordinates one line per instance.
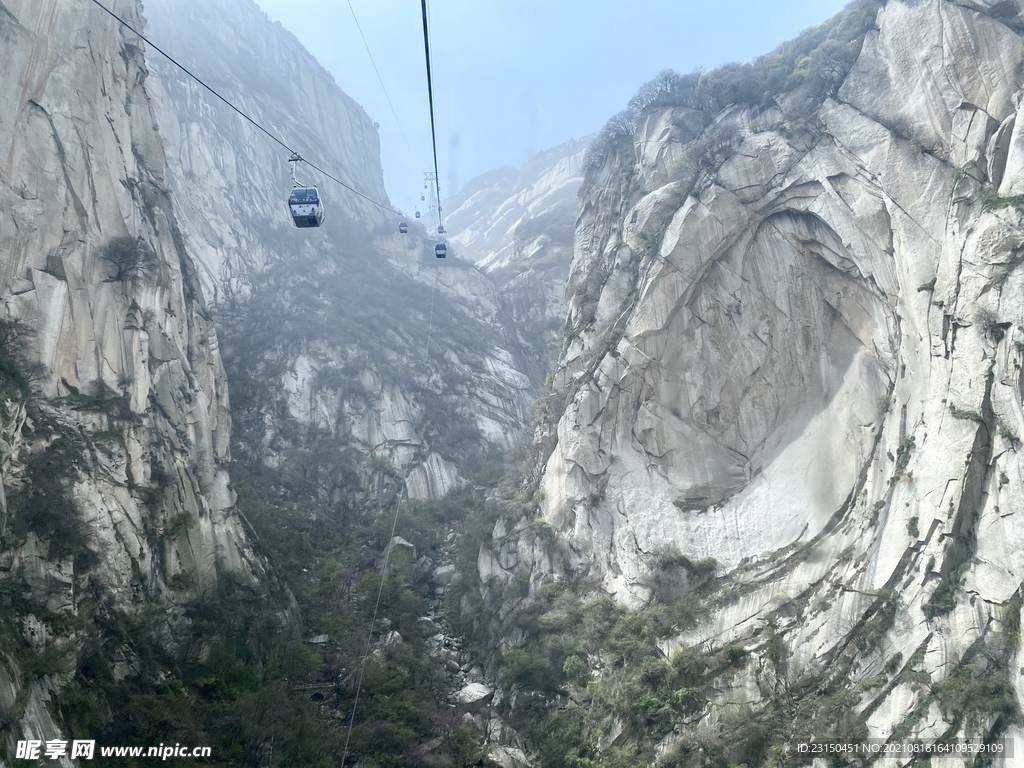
(230, 179)
(116, 507)
(777, 470)
(510, 218)
(517, 225)
(367, 379)
(786, 421)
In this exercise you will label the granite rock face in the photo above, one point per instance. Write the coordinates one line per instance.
(509, 218)
(116, 431)
(230, 181)
(802, 356)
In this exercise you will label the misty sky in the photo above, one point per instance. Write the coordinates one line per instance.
(515, 77)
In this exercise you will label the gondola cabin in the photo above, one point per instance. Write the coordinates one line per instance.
(403, 227)
(306, 207)
(440, 250)
(417, 214)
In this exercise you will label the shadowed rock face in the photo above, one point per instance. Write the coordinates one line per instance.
(135, 356)
(758, 344)
(114, 456)
(815, 339)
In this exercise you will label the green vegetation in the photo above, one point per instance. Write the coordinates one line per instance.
(992, 200)
(960, 413)
(1006, 432)
(903, 454)
(17, 372)
(42, 504)
(239, 678)
(587, 294)
(944, 598)
(594, 688)
(229, 668)
(976, 692)
(322, 513)
(357, 317)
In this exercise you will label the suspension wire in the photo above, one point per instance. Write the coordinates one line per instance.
(430, 322)
(369, 637)
(269, 135)
(379, 78)
(430, 96)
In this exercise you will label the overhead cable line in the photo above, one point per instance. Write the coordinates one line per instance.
(369, 637)
(430, 96)
(379, 78)
(270, 135)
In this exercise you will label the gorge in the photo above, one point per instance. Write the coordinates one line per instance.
(704, 440)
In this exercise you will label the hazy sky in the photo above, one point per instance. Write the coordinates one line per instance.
(512, 77)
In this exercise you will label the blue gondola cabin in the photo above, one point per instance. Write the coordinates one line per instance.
(440, 250)
(306, 207)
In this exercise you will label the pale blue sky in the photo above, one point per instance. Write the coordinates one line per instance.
(515, 77)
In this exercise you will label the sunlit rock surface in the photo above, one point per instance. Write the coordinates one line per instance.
(806, 364)
(508, 218)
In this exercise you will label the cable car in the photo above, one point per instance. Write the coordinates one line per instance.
(403, 227)
(441, 230)
(440, 250)
(304, 203)
(423, 198)
(306, 207)
(417, 214)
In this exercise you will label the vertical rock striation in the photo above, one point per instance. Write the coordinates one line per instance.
(116, 425)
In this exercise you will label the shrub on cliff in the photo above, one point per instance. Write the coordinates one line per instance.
(17, 369)
(816, 63)
(129, 258)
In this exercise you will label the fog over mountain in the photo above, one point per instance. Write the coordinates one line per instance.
(703, 440)
(516, 77)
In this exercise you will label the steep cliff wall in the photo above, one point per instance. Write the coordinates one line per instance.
(117, 506)
(793, 358)
(509, 219)
(518, 226)
(363, 371)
